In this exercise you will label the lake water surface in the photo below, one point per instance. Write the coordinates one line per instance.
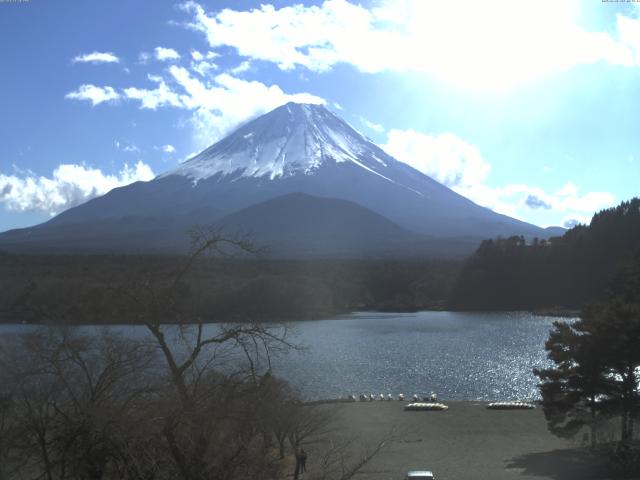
(459, 356)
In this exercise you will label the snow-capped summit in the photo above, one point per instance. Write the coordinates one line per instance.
(299, 177)
(292, 139)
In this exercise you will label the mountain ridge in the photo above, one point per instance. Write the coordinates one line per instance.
(294, 148)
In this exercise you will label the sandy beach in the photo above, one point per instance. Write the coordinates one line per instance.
(467, 441)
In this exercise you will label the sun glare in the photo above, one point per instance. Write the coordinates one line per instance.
(488, 45)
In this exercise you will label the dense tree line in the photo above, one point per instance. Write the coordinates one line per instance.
(85, 289)
(568, 271)
(596, 374)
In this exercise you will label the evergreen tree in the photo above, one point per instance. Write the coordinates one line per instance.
(597, 363)
(572, 390)
(618, 335)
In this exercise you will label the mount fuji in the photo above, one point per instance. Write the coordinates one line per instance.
(300, 179)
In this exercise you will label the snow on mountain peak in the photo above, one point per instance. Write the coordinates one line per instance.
(292, 139)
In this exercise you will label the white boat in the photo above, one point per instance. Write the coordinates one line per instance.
(511, 406)
(426, 406)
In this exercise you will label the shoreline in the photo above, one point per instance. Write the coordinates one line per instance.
(340, 401)
(338, 315)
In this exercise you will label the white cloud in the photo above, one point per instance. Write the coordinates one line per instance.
(218, 105)
(338, 106)
(168, 148)
(164, 54)
(96, 57)
(460, 165)
(199, 56)
(228, 101)
(629, 33)
(243, 67)
(488, 44)
(567, 190)
(280, 36)
(569, 198)
(95, 95)
(518, 200)
(373, 126)
(444, 157)
(151, 99)
(69, 185)
(203, 68)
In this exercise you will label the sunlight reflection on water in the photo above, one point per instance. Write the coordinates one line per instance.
(461, 356)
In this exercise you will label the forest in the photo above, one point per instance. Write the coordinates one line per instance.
(89, 289)
(564, 272)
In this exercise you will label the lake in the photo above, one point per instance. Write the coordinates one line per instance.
(459, 356)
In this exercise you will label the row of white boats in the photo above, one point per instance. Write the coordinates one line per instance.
(363, 397)
(511, 406)
(429, 402)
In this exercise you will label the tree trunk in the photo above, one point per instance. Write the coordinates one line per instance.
(627, 402)
(176, 453)
(45, 456)
(593, 426)
(624, 425)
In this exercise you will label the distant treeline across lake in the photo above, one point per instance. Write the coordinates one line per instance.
(96, 288)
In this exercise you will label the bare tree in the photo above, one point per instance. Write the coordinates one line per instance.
(71, 397)
(209, 409)
(308, 422)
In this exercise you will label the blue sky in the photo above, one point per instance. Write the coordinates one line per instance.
(529, 108)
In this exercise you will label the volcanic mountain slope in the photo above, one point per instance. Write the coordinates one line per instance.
(294, 148)
(298, 225)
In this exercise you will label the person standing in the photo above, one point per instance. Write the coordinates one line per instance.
(296, 473)
(303, 461)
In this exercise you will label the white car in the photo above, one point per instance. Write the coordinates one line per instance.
(420, 475)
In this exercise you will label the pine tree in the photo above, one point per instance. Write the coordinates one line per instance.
(571, 391)
(597, 363)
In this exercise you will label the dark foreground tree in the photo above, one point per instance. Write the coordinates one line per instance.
(596, 377)
(573, 390)
(73, 403)
(596, 372)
